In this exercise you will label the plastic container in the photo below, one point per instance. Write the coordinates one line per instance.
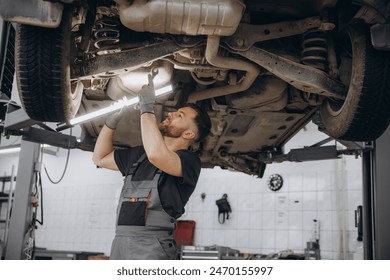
(184, 233)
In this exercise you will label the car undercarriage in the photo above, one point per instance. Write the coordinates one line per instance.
(261, 69)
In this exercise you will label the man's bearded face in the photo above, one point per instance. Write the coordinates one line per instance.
(168, 129)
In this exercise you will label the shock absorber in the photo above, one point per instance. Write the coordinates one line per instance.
(107, 35)
(314, 49)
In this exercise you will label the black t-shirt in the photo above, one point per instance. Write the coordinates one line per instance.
(174, 191)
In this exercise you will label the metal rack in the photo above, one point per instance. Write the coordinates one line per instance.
(6, 199)
(207, 252)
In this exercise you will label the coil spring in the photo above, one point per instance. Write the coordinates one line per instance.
(314, 49)
(107, 35)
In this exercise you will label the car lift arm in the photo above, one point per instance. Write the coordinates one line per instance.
(18, 123)
(318, 152)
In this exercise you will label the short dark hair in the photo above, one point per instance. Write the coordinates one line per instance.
(202, 121)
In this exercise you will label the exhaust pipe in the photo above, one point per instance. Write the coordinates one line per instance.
(252, 71)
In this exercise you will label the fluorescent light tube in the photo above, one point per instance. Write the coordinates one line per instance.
(10, 150)
(116, 107)
(15, 149)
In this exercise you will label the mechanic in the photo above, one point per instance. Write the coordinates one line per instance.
(160, 176)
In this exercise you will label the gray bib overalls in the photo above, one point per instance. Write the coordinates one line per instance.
(143, 229)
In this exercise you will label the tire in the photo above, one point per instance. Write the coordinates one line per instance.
(364, 115)
(7, 70)
(42, 62)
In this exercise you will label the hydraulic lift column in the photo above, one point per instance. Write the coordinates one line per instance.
(376, 198)
(22, 209)
(18, 123)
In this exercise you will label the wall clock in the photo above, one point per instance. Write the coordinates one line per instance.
(275, 182)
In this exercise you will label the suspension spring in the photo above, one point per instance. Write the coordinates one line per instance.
(107, 35)
(314, 49)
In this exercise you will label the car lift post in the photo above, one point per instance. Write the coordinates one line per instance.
(22, 209)
(18, 123)
(376, 196)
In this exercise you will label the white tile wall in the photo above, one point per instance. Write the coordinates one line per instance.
(79, 213)
(284, 219)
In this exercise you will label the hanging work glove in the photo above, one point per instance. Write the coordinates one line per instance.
(147, 97)
(113, 119)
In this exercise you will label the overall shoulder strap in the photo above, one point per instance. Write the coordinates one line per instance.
(135, 165)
